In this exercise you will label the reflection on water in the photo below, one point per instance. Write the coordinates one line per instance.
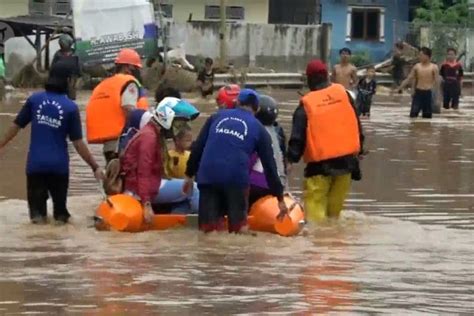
(404, 245)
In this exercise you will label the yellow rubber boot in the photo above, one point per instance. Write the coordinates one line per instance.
(340, 187)
(316, 190)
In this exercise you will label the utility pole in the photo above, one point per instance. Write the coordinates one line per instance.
(222, 36)
(163, 31)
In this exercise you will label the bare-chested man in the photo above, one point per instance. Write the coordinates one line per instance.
(345, 73)
(425, 77)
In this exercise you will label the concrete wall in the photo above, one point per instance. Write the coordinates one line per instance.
(256, 11)
(10, 8)
(278, 47)
(335, 12)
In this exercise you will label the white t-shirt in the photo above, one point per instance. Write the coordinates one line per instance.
(130, 95)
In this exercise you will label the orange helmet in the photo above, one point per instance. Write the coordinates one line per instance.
(128, 56)
(227, 96)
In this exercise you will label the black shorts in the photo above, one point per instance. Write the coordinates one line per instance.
(216, 201)
(39, 187)
(422, 101)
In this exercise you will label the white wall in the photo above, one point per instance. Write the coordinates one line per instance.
(9, 8)
(256, 11)
(280, 47)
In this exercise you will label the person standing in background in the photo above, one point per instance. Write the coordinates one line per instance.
(205, 79)
(345, 73)
(424, 76)
(452, 73)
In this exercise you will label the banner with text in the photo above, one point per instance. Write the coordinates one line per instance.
(102, 28)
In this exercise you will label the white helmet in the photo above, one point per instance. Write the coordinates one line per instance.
(170, 108)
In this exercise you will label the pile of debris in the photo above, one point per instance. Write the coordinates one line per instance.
(409, 54)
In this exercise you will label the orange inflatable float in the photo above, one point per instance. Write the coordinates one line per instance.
(263, 213)
(125, 214)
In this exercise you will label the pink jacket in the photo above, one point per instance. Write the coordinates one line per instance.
(141, 163)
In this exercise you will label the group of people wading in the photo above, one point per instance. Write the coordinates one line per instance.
(240, 155)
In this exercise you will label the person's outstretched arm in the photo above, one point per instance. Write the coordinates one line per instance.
(9, 135)
(197, 149)
(409, 79)
(21, 121)
(85, 154)
(195, 156)
(265, 152)
(75, 135)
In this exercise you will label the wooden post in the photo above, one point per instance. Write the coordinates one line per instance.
(46, 51)
(163, 33)
(222, 36)
(38, 49)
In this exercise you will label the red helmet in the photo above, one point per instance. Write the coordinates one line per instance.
(227, 96)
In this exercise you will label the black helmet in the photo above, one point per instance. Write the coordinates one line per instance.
(268, 110)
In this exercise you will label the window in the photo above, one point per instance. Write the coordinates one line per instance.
(62, 7)
(212, 12)
(235, 13)
(365, 24)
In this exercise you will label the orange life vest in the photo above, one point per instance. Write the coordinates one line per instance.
(143, 103)
(332, 130)
(105, 117)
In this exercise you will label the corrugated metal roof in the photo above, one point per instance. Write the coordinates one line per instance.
(27, 23)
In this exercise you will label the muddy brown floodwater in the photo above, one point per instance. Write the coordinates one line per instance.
(404, 244)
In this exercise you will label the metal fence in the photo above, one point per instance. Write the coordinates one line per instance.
(438, 37)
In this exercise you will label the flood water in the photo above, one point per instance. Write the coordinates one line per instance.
(404, 245)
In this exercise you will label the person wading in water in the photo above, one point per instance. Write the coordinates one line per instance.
(327, 132)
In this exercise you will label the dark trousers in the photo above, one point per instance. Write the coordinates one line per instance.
(451, 94)
(256, 193)
(216, 201)
(422, 102)
(39, 185)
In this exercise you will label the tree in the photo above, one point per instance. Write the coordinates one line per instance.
(443, 11)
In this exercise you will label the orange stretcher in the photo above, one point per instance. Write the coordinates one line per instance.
(124, 213)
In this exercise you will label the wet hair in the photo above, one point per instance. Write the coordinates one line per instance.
(182, 132)
(345, 50)
(426, 51)
(58, 77)
(165, 92)
(208, 61)
(57, 85)
(451, 49)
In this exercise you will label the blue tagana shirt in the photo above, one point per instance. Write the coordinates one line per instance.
(54, 118)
